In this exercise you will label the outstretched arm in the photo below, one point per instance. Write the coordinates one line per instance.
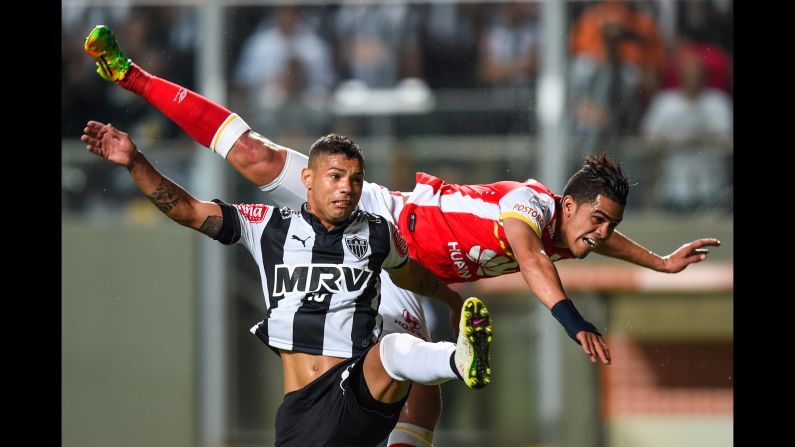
(417, 278)
(621, 247)
(117, 147)
(541, 275)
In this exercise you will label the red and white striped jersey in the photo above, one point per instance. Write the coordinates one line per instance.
(457, 232)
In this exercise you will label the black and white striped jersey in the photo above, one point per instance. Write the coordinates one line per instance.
(322, 288)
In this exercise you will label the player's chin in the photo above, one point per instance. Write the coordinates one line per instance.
(341, 214)
(582, 253)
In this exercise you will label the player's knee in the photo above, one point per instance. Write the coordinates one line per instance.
(395, 350)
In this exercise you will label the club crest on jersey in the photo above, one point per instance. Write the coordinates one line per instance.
(253, 213)
(357, 246)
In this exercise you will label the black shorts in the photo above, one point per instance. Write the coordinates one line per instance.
(336, 409)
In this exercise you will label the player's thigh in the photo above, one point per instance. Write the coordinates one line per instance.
(402, 310)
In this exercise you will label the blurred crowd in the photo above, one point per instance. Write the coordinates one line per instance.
(647, 80)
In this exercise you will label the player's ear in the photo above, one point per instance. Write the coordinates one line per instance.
(569, 205)
(306, 177)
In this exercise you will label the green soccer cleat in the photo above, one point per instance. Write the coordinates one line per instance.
(474, 340)
(101, 45)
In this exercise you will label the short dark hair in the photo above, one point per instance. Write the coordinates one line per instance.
(335, 144)
(599, 175)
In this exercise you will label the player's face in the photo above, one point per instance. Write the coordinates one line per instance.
(334, 187)
(586, 225)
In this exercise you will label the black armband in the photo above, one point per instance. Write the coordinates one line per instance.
(571, 320)
(230, 228)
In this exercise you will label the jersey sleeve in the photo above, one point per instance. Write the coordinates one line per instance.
(398, 250)
(243, 223)
(379, 200)
(528, 205)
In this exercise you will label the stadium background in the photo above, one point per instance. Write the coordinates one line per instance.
(155, 342)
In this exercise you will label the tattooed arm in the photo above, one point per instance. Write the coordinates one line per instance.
(415, 277)
(176, 203)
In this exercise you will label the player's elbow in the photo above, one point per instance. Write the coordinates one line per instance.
(258, 162)
(400, 280)
(532, 260)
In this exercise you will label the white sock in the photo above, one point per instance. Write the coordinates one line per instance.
(406, 357)
(226, 135)
(405, 434)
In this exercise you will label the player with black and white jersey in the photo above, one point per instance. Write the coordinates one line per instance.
(320, 275)
(311, 276)
(460, 232)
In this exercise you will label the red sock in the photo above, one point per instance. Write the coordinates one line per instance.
(209, 124)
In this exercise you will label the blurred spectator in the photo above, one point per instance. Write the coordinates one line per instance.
(640, 44)
(285, 66)
(717, 63)
(692, 127)
(266, 53)
(293, 109)
(449, 39)
(181, 36)
(708, 21)
(378, 43)
(509, 49)
(605, 96)
(507, 62)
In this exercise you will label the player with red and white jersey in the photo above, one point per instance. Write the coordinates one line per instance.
(457, 230)
(460, 232)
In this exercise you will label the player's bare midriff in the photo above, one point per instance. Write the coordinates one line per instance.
(300, 369)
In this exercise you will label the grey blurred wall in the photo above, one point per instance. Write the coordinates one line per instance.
(128, 324)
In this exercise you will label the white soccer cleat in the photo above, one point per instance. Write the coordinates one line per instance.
(472, 347)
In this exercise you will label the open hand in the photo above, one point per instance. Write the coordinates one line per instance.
(109, 143)
(687, 254)
(594, 346)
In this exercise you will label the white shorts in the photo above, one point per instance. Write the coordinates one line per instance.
(401, 310)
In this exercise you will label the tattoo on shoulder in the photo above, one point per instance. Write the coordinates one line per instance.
(212, 226)
(165, 196)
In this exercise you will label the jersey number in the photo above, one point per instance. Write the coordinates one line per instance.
(317, 297)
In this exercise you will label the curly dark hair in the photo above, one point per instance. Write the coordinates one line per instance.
(599, 175)
(335, 144)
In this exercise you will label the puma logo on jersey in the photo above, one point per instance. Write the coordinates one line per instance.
(303, 241)
(332, 278)
(345, 375)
